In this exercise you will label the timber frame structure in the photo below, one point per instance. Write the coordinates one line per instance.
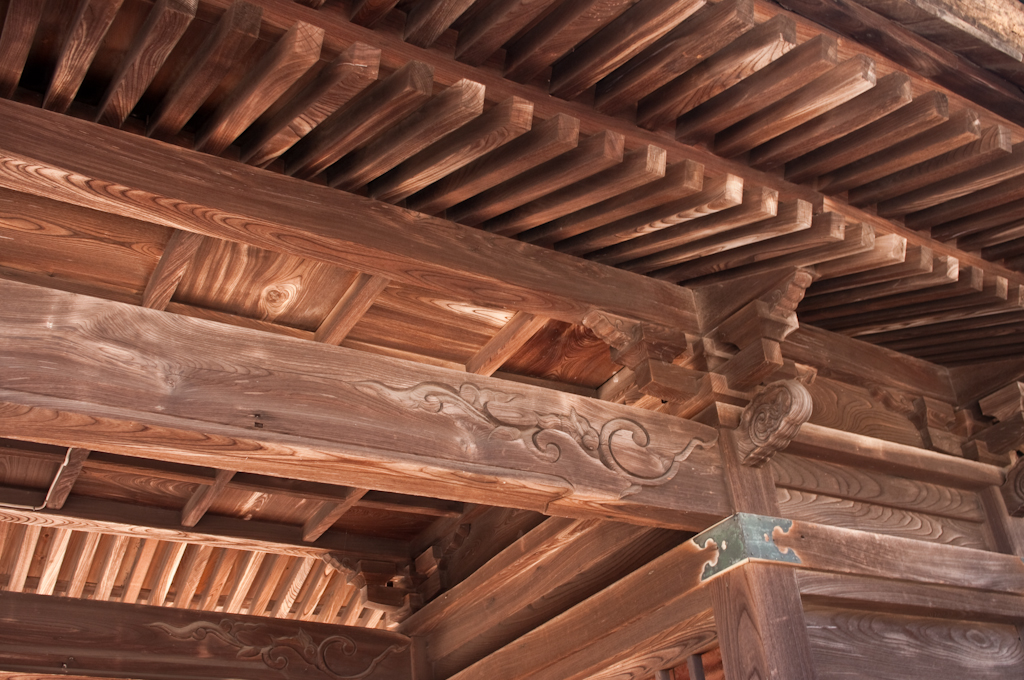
(511, 339)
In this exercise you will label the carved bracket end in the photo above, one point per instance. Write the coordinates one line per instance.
(771, 421)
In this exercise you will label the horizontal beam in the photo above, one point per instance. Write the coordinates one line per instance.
(70, 160)
(157, 385)
(105, 639)
(130, 519)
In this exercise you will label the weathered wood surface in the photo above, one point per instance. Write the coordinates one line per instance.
(303, 219)
(459, 436)
(895, 647)
(128, 641)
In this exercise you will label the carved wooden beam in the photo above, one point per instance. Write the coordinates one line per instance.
(772, 420)
(82, 637)
(229, 397)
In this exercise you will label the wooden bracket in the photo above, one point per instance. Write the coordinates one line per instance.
(1006, 407)
(936, 420)
(1013, 489)
(634, 342)
(772, 420)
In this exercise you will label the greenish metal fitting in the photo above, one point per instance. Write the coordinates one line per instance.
(744, 537)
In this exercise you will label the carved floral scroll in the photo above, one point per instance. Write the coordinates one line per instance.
(771, 421)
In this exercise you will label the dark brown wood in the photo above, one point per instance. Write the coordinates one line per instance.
(303, 428)
(174, 263)
(548, 140)
(229, 39)
(20, 25)
(440, 115)
(328, 513)
(283, 64)
(512, 336)
(203, 497)
(497, 127)
(890, 93)
(391, 98)
(369, 12)
(83, 40)
(194, 645)
(337, 83)
(165, 24)
(819, 96)
(486, 32)
(427, 20)
(767, 86)
(760, 622)
(256, 197)
(938, 177)
(710, 29)
(616, 43)
(921, 114)
(593, 154)
(752, 51)
(66, 477)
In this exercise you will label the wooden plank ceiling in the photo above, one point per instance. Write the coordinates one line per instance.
(689, 141)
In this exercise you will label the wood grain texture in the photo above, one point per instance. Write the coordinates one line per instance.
(174, 262)
(66, 477)
(760, 621)
(751, 52)
(203, 498)
(165, 25)
(290, 423)
(500, 125)
(229, 39)
(471, 249)
(20, 25)
(355, 302)
(484, 33)
(350, 73)
(853, 514)
(83, 40)
(104, 632)
(427, 20)
(890, 93)
(548, 140)
(512, 336)
(617, 42)
(710, 29)
(442, 114)
(328, 513)
(680, 180)
(842, 641)
(283, 64)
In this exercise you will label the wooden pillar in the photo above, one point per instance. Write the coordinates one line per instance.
(758, 613)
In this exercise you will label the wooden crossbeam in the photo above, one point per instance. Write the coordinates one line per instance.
(279, 213)
(547, 450)
(115, 640)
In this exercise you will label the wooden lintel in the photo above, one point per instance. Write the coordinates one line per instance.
(44, 634)
(542, 449)
(67, 475)
(115, 172)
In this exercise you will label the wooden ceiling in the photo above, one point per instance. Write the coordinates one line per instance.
(695, 143)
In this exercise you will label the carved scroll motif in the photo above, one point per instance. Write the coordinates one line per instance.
(1013, 489)
(771, 421)
(499, 415)
(254, 641)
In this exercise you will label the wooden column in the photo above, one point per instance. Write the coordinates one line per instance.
(758, 613)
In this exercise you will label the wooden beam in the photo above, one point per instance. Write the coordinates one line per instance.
(67, 475)
(282, 65)
(499, 349)
(354, 303)
(319, 223)
(541, 453)
(174, 262)
(328, 513)
(19, 30)
(203, 497)
(165, 25)
(232, 35)
(82, 42)
(160, 524)
(116, 640)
